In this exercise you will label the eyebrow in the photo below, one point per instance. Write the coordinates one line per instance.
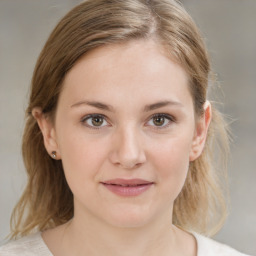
(95, 104)
(162, 104)
(147, 108)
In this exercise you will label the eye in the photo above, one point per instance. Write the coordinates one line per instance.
(160, 120)
(95, 121)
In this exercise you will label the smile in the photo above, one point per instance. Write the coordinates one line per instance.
(127, 188)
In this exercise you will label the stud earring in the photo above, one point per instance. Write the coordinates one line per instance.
(54, 154)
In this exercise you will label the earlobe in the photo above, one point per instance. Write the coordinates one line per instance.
(201, 130)
(48, 131)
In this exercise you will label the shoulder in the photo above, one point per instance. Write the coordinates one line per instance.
(209, 247)
(27, 246)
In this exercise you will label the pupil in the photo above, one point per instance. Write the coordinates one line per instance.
(158, 121)
(97, 121)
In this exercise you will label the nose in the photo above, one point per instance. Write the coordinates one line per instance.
(127, 149)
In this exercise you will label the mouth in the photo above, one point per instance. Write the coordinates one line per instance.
(127, 187)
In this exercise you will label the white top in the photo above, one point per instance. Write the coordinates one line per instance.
(34, 245)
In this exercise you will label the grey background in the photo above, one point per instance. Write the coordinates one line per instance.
(228, 27)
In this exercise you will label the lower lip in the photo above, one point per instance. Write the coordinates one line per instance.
(128, 191)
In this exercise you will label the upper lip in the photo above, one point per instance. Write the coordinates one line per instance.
(127, 182)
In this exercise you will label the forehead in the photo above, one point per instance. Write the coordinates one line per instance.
(139, 67)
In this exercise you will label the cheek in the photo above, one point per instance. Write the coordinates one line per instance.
(172, 162)
(81, 156)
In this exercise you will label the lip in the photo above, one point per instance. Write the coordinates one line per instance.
(127, 187)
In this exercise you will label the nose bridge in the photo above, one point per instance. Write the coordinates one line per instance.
(128, 150)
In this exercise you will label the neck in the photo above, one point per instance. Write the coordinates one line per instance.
(95, 238)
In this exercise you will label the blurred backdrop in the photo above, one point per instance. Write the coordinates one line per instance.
(229, 29)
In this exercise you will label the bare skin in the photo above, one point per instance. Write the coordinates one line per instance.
(125, 112)
(173, 241)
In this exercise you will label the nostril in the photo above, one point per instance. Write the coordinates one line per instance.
(131, 165)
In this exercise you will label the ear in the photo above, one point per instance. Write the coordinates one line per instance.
(48, 131)
(201, 130)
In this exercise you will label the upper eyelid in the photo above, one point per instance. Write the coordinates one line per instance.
(171, 119)
(86, 117)
(93, 115)
(151, 116)
(168, 116)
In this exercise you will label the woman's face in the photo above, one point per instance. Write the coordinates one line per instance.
(125, 131)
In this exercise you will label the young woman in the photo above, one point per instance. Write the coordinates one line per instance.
(119, 139)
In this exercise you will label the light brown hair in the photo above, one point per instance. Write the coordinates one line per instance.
(47, 200)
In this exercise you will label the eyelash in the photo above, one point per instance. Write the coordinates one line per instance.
(168, 117)
(86, 118)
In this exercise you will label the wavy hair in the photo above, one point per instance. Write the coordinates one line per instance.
(47, 200)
